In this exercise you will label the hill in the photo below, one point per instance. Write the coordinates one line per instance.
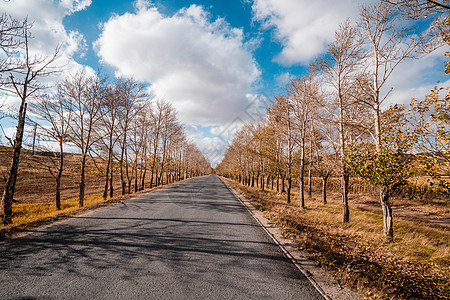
(35, 182)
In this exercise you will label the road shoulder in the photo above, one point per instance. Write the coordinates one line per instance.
(321, 280)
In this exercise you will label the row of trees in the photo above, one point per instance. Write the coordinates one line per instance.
(118, 124)
(113, 121)
(332, 119)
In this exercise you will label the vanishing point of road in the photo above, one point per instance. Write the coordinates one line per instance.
(192, 240)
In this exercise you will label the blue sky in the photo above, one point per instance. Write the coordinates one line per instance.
(216, 61)
(238, 13)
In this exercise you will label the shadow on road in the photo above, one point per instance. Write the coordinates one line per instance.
(193, 233)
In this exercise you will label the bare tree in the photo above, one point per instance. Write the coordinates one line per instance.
(53, 125)
(170, 129)
(163, 126)
(389, 45)
(82, 94)
(23, 82)
(420, 8)
(130, 95)
(325, 153)
(110, 109)
(140, 129)
(156, 125)
(303, 95)
(12, 32)
(339, 67)
(283, 113)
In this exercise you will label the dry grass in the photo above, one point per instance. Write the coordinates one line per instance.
(36, 184)
(30, 212)
(420, 189)
(414, 266)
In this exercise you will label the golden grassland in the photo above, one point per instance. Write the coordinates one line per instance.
(414, 266)
(30, 212)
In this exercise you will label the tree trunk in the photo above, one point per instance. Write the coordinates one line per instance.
(289, 184)
(122, 156)
(143, 180)
(309, 182)
(387, 215)
(302, 188)
(344, 185)
(278, 183)
(59, 176)
(10, 185)
(135, 176)
(324, 189)
(105, 189)
(345, 175)
(302, 171)
(108, 164)
(151, 177)
(82, 181)
(111, 187)
(127, 171)
(122, 179)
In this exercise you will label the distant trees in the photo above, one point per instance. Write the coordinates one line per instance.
(82, 96)
(116, 123)
(131, 97)
(304, 94)
(338, 111)
(119, 128)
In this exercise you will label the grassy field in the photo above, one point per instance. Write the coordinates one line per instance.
(35, 192)
(35, 182)
(415, 265)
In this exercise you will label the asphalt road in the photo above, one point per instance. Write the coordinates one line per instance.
(193, 240)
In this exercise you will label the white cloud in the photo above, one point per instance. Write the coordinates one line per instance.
(213, 148)
(192, 131)
(283, 79)
(304, 27)
(75, 5)
(203, 67)
(48, 31)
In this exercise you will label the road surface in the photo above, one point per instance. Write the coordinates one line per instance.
(193, 240)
